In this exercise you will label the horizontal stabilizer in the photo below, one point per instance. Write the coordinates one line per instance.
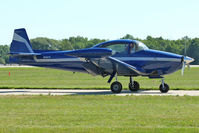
(90, 53)
(23, 54)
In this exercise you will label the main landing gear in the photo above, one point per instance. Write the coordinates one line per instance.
(133, 85)
(116, 87)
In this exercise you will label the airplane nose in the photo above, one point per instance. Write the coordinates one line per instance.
(188, 60)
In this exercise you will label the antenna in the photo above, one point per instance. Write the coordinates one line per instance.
(185, 51)
(185, 45)
(71, 46)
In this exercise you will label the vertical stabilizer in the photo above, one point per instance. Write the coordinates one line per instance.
(20, 42)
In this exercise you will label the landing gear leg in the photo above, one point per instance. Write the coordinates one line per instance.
(133, 85)
(164, 88)
(116, 87)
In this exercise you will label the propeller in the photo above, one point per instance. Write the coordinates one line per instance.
(188, 65)
(185, 59)
(183, 66)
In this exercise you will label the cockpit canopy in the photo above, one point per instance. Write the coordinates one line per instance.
(141, 46)
(123, 46)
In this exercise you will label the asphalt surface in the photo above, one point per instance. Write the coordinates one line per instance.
(96, 92)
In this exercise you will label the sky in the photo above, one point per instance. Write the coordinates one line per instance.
(104, 19)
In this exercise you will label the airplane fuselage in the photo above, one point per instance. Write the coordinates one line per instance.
(147, 61)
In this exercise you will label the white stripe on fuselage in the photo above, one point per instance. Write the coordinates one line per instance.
(57, 60)
(148, 59)
(119, 58)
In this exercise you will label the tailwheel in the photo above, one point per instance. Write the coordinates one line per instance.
(116, 87)
(134, 86)
(164, 88)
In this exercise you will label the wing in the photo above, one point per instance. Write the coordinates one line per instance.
(100, 62)
(109, 65)
(123, 68)
(90, 53)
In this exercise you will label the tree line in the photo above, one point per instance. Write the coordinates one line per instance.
(158, 43)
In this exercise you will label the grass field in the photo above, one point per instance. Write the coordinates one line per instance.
(93, 114)
(51, 78)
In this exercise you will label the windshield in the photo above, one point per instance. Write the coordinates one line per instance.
(141, 46)
(119, 48)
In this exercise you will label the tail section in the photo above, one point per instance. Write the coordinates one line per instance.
(20, 43)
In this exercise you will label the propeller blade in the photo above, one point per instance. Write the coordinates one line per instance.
(188, 65)
(183, 67)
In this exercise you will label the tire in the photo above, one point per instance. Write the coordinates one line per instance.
(134, 87)
(165, 89)
(116, 87)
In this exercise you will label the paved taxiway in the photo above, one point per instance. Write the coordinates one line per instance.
(95, 92)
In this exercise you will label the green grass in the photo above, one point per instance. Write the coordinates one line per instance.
(94, 114)
(51, 78)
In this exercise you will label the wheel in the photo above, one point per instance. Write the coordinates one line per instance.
(116, 87)
(134, 87)
(165, 89)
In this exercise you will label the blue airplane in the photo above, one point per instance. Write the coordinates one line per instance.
(111, 58)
